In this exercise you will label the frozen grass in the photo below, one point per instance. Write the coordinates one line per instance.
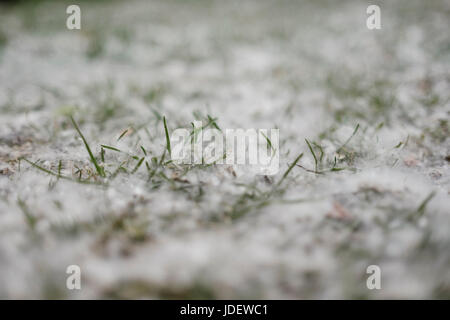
(86, 176)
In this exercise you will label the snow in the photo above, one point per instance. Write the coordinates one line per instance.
(311, 69)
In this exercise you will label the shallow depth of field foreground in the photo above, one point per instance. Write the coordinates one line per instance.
(364, 149)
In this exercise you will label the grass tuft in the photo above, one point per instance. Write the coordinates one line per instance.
(99, 169)
(58, 175)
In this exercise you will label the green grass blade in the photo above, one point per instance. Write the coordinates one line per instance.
(269, 143)
(138, 165)
(213, 122)
(31, 219)
(290, 168)
(423, 205)
(111, 148)
(118, 150)
(59, 168)
(350, 138)
(321, 151)
(312, 152)
(93, 160)
(167, 136)
(123, 133)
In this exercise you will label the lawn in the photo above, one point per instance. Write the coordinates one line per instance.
(87, 179)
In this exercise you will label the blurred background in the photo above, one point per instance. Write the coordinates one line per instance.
(372, 187)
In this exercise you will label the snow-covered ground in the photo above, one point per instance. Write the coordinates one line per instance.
(374, 105)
